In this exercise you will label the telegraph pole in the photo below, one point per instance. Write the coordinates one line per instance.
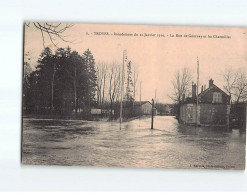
(140, 92)
(134, 91)
(122, 87)
(152, 121)
(197, 91)
(155, 97)
(140, 97)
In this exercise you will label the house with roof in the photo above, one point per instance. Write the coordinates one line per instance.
(138, 108)
(213, 107)
(144, 107)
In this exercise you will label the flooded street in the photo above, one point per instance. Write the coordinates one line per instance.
(104, 144)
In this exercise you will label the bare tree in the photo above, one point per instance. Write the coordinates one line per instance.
(27, 68)
(55, 31)
(181, 85)
(135, 80)
(230, 78)
(101, 73)
(240, 89)
(235, 84)
(114, 85)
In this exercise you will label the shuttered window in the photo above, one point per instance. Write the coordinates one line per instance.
(217, 97)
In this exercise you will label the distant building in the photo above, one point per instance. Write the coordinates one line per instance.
(144, 108)
(213, 107)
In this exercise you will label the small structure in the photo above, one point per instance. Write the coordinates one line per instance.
(213, 107)
(144, 108)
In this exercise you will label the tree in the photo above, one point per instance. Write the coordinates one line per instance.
(135, 71)
(91, 75)
(53, 30)
(46, 71)
(61, 82)
(27, 68)
(129, 84)
(78, 65)
(235, 84)
(101, 73)
(181, 85)
(114, 85)
(240, 89)
(230, 78)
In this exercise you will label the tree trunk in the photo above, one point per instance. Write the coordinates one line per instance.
(103, 95)
(52, 91)
(75, 95)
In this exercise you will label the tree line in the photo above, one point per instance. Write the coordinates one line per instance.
(109, 87)
(65, 82)
(62, 82)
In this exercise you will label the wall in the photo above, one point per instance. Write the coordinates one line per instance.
(146, 108)
(216, 114)
(188, 113)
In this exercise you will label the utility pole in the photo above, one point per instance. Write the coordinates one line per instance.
(140, 97)
(122, 87)
(134, 91)
(155, 96)
(152, 121)
(197, 91)
(140, 92)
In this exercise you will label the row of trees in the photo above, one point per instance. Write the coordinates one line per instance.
(66, 82)
(62, 81)
(109, 85)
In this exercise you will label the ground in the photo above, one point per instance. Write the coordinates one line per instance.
(105, 144)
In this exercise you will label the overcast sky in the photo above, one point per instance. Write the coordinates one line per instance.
(157, 58)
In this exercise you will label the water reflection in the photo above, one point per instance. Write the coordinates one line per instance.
(168, 145)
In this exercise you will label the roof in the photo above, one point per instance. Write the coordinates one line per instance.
(193, 100)
(189, 100)
(138, 103)
(213, 85)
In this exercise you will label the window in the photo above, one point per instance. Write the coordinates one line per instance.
(217, 97)
(189, 112)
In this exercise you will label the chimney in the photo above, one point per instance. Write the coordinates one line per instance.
(193, 90)
(202, 89)
(211, 82)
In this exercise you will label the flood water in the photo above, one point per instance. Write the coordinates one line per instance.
(104, 144)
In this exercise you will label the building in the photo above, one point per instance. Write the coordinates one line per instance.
(213, 107)
(138, 108)
(144, 107)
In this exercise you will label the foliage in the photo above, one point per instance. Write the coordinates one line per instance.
(63, 82)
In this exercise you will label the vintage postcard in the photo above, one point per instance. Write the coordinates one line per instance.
(136, 96)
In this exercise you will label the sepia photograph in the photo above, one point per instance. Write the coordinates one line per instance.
(134, 96)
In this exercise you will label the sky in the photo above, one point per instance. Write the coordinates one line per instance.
(156, 58)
